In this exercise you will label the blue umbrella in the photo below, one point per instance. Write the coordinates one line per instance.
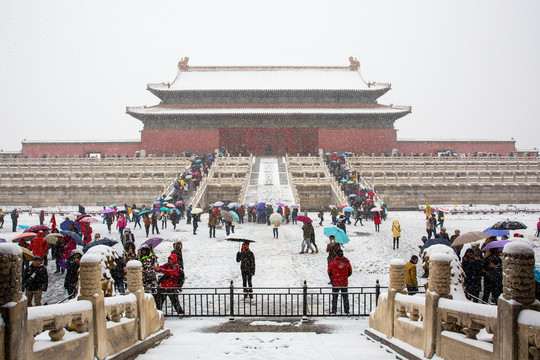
(339, 234)
(344, 180)
(176, 211)
(327, 154)
(74, 236)
(234, 215)
(497, 233)
(144, 212)
(260, 205)
(435, 241)
(2, 240)
(104, 241)
(348, 209)
(154, 210)
(24, 226)
(66, 225)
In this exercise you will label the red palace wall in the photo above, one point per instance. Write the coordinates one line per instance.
(358, 140)
(460, 147)
(161, 142)
(79, 149)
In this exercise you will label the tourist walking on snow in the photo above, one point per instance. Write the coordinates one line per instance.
(14, 219)
(147, 222)
(307, 230)
(339, 271)
(321, 216)
(195, 220)
(109, 220)
(377, 221)
(169, 283)
(396, 233)
(473, 268)
(312, 237)
(294, 214)
(431, 226)
(358, 213)
(536, 235)
(41, 217)
(246, 258)
(212, 222)
(121, 224)
(40, 246)
(155, 223)
(72, 272)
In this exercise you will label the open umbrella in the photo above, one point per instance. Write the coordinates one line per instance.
(198, 211)
(188, 176)
(24, 226)
(304, 219)
(157, 202)
(75, 213)
(218, 203)
(76, 237)
(496, 245)
(104, 241)
(343, 206)
(81, 217)
(348, 209)
(37, 228)
(170, 206)
(89, 219)
(2, 240)
(295, 206)
(344, 180)
(260, 205)
(280, 204)
(226, 215)
(349, 182)
(470, 237)
(430, 242)
(179, 203)
(331, 206)
(240, 237)
(27, 254)
(66, 225)
(493, 232)
(339, 234)
(276, 219)
(24, 236)
(509, 225)
(164, 209)
(168, 198)
(135, 211)
(53, 238)
(154, 210)
(375, 209)
(352, 195)
(233, 205)
(144, 212)
(176, 211)
(234, 215)
(196, 173)
(107, 211)
(153, 242)
(369, 201)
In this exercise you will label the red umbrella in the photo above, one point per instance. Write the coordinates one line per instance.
(369, 201)
(179, 203)
(24, 236)
(195, 173)
(89, 219)
(343, 206)
(80, 217)
(36, 228)
(304, 219)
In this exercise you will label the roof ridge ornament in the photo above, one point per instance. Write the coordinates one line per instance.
(183, 64)
(355, 64)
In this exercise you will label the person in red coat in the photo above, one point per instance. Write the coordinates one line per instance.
(377, 221)
(40, 246)
(169, 283)
(86, 232)
(339, 271)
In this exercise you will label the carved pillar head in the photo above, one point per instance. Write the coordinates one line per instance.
(10, 272)
(439, 274)
(90, 275)
(134, 276)
(518, 272)
(397, 274)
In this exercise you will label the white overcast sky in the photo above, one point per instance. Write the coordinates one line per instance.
(470, 69)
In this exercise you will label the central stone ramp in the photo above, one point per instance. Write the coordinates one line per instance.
(269, 182)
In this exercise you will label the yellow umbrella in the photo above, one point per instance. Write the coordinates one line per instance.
(27, 254)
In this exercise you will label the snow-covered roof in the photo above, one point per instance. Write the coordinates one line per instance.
(157, 110)
(268, 78)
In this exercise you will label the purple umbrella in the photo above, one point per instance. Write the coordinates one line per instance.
(260, 206)
(496, 245)
(2, 240)
(295, 206)
(67, 224)
(156, 203)
(107, 211)
(280, 204)
(153, 242)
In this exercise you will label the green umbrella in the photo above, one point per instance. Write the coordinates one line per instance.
(164, 209)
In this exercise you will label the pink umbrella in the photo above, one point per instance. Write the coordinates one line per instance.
(496, 245)
(179, 203)
(195, 173)
(280, 204)
(24, 236)
(304, 219)
(106, 211)
(375, 209)
(89, 219)
(331, 206)
(36, 228)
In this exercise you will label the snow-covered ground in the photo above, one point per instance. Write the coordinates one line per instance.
(211, 262)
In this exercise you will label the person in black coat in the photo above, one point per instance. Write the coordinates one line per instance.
(473, 268)
(72, 274)
(247, 266)
(35, 281)
(14, 219)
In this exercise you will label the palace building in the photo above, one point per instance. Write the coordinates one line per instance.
(266, 111)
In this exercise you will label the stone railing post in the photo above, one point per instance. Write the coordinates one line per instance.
(518, 294)
(439, 286)
(135, 286)
(13, 307)
(90, 280)
(397, 285)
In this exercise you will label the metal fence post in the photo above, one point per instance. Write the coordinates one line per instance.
(231, 318)
(304, 307)
(377, 292)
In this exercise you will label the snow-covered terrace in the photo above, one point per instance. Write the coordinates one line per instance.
(269, 78)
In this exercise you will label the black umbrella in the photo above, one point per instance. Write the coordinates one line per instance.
(435, 241)
(103, 241)
(238, 237)
(509, 225)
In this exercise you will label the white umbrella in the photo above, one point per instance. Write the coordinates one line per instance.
(276, 219)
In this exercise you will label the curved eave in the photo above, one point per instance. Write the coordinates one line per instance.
(175, 96)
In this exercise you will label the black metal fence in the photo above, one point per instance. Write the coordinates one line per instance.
(268, 301)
